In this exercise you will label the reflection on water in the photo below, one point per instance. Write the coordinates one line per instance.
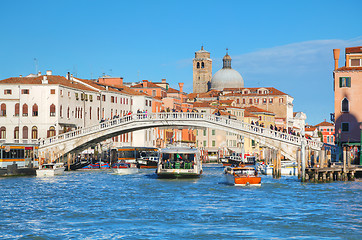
(100, 205)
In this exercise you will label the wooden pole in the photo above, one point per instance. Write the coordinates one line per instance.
(344, 164)
(298, 163)
(68, 161)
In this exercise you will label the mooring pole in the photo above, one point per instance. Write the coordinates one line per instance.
(302, 157)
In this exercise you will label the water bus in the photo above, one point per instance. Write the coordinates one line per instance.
(242, 176)
(50, 169)
(179, 162)
(144, 157)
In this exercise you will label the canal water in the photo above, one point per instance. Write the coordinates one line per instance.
(100, 205)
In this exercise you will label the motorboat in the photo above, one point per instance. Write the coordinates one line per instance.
(287, 168)
(178, 162)
(124, 168)
(147, 162)
(242, 176)
(50, 169)
(237, 159)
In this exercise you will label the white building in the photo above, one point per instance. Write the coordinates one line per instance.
(40, 106)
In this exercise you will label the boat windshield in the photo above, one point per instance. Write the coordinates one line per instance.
(249, 172)
(178, 160)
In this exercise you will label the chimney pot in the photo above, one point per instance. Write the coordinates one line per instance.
(49, 72)
(39, 74)
(164, 80)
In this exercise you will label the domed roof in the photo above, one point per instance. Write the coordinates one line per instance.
(226, 78)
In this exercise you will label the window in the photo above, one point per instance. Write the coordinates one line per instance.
(82, 96)
(25, 91)
(204, 143)
(69, 94)
(256, 100)
(17, 109)
(213, 143)
(198, 65)
(154, 93)
(52, 110)
(68, 112)
(7, 91)
(98, 113)
(103, 98)
(25, 110)
(112, 99)
(90, 113)
(16, 133)
(244, 101)
(345, 126)
(34, 133)
(205, 132)
(213, 132)
(3, 133)
(91, 98)
(327, 139)
(345, 105)
(202, 65)
(3, 110)
(237, 101)
(25, 132)
(52, 91)
(270, 100)
(61, 93)
(250, 101)
(355, 62)
(344, 82)
(264, 100)
(76, 96)
(35, 110)
(281, 100)
(61, 111)
(51, 132)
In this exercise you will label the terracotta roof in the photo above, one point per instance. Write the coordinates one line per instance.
(254, 92)
(223, 113)
(254, 109)
(325, 123)
(354, 49)
(149, 85)
(310, 129)
(202, 104)
(349, 69)
(52, 79)
(249, 114)
(172, 90)
(212, 93)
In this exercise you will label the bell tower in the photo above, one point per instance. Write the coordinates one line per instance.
(202, 71)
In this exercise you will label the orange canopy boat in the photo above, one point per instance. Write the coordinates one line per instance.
(242, 176)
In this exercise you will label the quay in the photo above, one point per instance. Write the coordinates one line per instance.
(333, 173)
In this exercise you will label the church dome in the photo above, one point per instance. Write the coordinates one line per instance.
(227, 77)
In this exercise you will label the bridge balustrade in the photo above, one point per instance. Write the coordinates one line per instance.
(184, 116)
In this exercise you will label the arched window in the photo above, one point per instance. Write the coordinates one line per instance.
(16, 133)
(51, 132)
(345, 105)
(90, 112)
(3, 110)
(17, 109)
(25, 110)
(3, 133)
(34, 133)
(98, 114)
(68, 112)
(198, 65)
(202, 65)
(61, 111)
(35, 110)
(52, 110)
(25, 132)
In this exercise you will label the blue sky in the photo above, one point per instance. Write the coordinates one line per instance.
(282, 44)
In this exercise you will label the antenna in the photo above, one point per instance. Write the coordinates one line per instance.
(36, 65)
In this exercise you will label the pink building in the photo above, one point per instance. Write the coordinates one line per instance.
(327, 130)
(348, 97)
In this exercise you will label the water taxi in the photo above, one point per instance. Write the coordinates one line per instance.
(179, 163)
(242, 176)
(50, 169)
(124, 168)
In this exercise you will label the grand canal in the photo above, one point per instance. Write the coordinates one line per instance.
(100, 205)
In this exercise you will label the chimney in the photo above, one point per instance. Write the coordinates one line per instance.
(121, 81)
(336, 57)
(144, 83)
(20, 75)
(39, 74)
(68, 75)
(49, 72)
(45, 80)
(181, 85)
(164, 80)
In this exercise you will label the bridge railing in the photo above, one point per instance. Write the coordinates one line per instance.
(182, 116)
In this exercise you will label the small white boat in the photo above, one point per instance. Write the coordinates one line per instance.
(179, 163)
(124, 168)
(287, 168)
(50, 169)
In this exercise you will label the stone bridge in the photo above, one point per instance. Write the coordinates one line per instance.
(77, 140)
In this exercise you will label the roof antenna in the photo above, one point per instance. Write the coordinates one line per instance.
(36, 65)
